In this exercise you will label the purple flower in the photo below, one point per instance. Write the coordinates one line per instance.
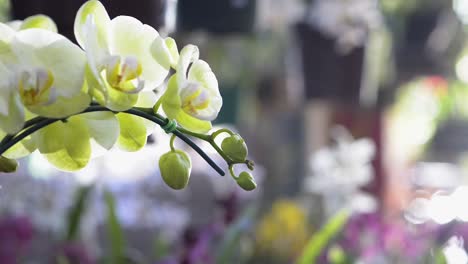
(15, 234)
(74, 253)
(367, 236)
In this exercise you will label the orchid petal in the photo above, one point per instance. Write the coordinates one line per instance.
(6, 35)
(132, 132)
(188, 54)
(39, 21)
(92, 13)
(66, 145)
(129, 37)
(201, 73)
(14, 121)
(165, 52)
(45, 49)
(103, 127)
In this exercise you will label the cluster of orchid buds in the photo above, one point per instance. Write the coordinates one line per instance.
(71, 102)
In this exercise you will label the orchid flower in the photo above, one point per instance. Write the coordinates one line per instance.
(192, 97)
(121, 72)
(120, 64)
(42, 74)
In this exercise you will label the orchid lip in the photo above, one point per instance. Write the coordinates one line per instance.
(123, 74)
(35, 87)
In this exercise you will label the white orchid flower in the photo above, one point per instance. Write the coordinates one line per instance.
(119, 57)
(41, 72)
(192, 97)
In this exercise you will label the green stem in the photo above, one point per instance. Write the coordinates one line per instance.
(157, 105)
(195, 134)
(223, 130)
(38, 123)
(231, 170)
(171, 143)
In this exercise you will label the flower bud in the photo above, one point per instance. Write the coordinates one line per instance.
(175, 169)
(246, 181)
(8, 165)
(235, 148)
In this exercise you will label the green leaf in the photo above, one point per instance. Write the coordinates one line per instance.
(114, 230)
(320, 240)
(75, 214)
(66, 145)
(230, 244)
(132, 132)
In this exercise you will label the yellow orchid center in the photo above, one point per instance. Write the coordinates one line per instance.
(194, 98)
(123, 74)
(35, 87)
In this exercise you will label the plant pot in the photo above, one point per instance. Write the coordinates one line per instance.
(216, 16)
(415, 52)
(449, 141)
(63, 12)
(327, 73)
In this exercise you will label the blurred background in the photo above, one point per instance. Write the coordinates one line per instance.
(355, 112)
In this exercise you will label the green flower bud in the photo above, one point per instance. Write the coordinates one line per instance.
(175, 169)
(246, 181)
(8, 165)
(235, 148)
(250, 164)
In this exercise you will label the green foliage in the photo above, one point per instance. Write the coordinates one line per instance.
(321, 239)
(114, 232)
(75, 214)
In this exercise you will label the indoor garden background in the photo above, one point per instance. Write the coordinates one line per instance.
(341, 128)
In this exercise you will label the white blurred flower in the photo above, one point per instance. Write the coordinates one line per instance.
(339, 171)
(345, 166)
(347, 21)
(454, 252)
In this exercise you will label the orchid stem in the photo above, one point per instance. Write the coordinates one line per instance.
(38, 123)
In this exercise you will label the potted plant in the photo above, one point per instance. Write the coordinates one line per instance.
(216, 16)
(428, 36)
(332, 38)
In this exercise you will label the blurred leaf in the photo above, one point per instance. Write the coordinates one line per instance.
(75, 214)
(439, 257)
(320, 240)
(226, 252)
(160, 248)
(115, 233)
